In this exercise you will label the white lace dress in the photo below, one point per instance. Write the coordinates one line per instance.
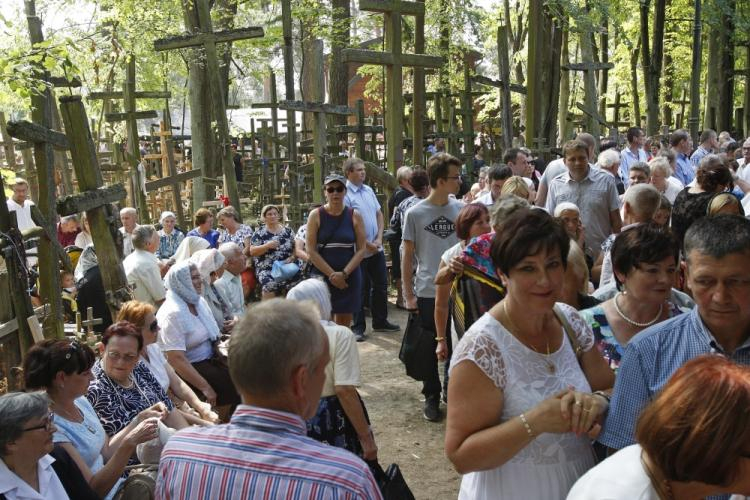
(548, 467)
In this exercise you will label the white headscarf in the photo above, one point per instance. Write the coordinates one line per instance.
(166, 214)
(86, 261)
(180, 289)
(207, 261)
(189, 246)
(316, 291)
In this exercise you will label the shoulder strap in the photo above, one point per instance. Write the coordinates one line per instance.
(338, 225)
(577, 349)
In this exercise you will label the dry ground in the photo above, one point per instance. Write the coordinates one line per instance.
(394, 402)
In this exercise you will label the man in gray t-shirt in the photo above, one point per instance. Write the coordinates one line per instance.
(429, 229)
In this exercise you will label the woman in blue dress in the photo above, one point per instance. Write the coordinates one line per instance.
(273, 241)
(336, 246)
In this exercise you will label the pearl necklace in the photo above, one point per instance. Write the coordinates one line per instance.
(632, 322)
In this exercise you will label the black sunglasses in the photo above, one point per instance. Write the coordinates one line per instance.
(154, 326)
(339, 189)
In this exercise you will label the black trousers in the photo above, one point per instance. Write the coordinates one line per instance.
(431, 386)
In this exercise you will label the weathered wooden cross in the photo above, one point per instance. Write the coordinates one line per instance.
(319, 111)
(207, 39)
(589, 67)
(360, 129)
(96, 202)
(130, 116)
(394, 60)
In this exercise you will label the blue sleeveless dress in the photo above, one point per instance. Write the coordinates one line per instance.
(337, 245)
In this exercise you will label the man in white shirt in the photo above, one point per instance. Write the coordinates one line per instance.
(230, 282)
(557, 167)
(743, 171)
(21, 205)
(129, 219)
(142, 266)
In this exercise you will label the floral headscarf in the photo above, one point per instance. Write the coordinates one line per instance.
(179, 282)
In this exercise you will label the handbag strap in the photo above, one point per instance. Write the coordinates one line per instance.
(577, 349)
(338, 225)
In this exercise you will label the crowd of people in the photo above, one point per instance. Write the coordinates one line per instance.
(592, 316)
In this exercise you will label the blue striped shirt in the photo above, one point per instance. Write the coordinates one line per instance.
(685, 170)
(627, 158)
(698, 155)
(650, 359)
(260, 454)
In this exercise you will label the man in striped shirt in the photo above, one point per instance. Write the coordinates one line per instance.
(277, 360)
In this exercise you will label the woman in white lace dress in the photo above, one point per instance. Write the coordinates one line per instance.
(521, 410)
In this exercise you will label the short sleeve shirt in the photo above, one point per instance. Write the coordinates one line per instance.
(364, 200)
(344, 366)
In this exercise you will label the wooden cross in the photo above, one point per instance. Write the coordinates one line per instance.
(130, 116)
(207, 39)
(394, 60)
(360, 129)
(588, 67)
(274, 107)
(540, 147)
(101, 215)
(616, 107)
(319, 111)
(90, 337)
(172, 179)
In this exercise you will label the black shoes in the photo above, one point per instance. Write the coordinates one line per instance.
(432, 408)
(386, 327)
(359, 335)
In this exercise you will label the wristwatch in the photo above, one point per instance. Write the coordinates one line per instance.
(346, 275)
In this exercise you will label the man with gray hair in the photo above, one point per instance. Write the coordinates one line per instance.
(129, 219)
(277, 361)
(142, 266)
(717, 250)
(67, 230)
(639, 205)
(230, 282)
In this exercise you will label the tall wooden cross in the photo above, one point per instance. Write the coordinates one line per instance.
(207, 39)
(591, 104)
(394, 60)
(616, 106)
(319, 111)
(130, 116)
(96, 201)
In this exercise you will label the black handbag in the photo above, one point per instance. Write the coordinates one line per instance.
(417, 349)
(391, 482)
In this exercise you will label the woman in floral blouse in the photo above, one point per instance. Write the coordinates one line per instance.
(271, 243)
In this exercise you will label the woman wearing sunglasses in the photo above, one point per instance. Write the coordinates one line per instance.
(143, 317)
(336, 246)
(29, 465)
(63, 369)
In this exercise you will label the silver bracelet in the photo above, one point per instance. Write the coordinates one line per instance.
(526, 425)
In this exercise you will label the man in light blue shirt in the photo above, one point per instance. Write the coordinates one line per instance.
(361, 197)
(682, 143)
(709, 143)
(633, 153)
(717, 250)
(231, 281)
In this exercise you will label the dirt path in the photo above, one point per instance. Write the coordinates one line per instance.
(394, 402)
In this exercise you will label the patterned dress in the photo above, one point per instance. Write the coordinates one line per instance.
(264, 263)
(604, 338)
(168, 243)
(243, 232)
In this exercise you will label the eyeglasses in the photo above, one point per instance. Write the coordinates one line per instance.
(339, 189)
(116, 356)
(48, 424)
(154, 326)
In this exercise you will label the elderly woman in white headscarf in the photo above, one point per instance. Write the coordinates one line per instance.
(189, 337)
(210, 264)
(341, 419)
(190, 245)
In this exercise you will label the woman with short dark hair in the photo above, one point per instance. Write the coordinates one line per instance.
(123, 386)
(692, 203)
(272, 242)
(693, 440)
(521, 377)
(644, 261)
(63, 369)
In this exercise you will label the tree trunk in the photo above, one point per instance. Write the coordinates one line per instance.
(604, 75)
(226, 11)
(566, 128)
(338, 72)
(552, 82)
(713, 76)
(725, 108)
(667, 71)
(634, 84)
(652, 56)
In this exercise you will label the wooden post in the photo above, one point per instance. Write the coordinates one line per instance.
(418, 109)
(589, 82)
(360, 129)
(10, 152)
(288, 52)
(208, 39)
(394, 60)
(102, 218)
(49, 270)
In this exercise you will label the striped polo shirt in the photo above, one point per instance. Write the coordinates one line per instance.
(260, 454)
